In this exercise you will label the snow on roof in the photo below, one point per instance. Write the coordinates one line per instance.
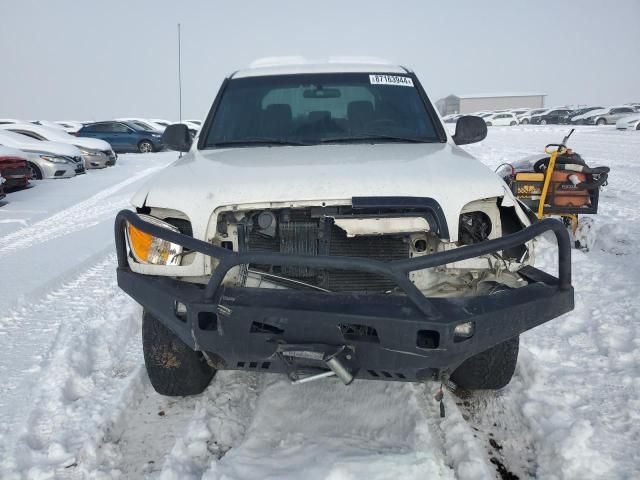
(299, 64)
(300, 60)
(508, 94)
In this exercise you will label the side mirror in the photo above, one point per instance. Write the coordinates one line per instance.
(470, 129)
(177, 137)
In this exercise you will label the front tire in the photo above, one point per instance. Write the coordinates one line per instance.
(489, 370)
(524, 121)
(145, 146)
(543, 122)
(173, 368)
(601, 121)
(512, 124)
(36, 173)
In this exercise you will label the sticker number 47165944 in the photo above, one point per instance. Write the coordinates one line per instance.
(391, 80)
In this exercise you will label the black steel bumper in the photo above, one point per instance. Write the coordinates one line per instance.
(392, 337)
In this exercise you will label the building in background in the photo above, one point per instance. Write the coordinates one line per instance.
(490, 102)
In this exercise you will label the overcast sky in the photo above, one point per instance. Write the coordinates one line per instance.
(62, 59)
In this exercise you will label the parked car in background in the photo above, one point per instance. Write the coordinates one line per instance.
(70, 126)
(452, 118)
(552, 116)
(519, 111)
(96, 153)
(14, 168)
(608, 116)
(576, 116)
(525, 118)
(46, 123)
(46, 159)
(501, 119)
(580, 118)
(162, 122)
(144, 123)
(631, 122)
(123, 136)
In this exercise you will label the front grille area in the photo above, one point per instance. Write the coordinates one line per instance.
(302, 234)
(15, 172)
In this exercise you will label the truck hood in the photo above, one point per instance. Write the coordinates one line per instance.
(204, 180)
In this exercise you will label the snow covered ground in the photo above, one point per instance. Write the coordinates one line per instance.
(75, 402)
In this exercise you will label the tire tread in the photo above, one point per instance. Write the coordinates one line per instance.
(174, 369)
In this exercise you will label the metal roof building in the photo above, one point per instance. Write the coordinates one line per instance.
(490, 101)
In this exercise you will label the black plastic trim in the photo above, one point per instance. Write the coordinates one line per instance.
(429, 204)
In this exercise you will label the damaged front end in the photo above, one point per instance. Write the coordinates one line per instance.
(383, 230)
(375, 289)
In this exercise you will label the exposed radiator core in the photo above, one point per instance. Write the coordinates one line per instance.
(301, 234)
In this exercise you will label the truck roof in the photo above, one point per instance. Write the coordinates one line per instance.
(300, 65)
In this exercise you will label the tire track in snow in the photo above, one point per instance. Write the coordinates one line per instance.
(176, 437)
(80, 216)
(90, 331)
(367, 430)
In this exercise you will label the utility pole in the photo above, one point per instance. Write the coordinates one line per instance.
(179, 80)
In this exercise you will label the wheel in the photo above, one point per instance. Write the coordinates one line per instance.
(145, 146)
(524, 121)
(638, 126)
(36, 173)
(173, 368)
(601, 121)
(489, 370)
(512, 124)
(543, 122)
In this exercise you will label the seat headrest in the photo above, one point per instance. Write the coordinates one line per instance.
(360, 111)
(278, 112)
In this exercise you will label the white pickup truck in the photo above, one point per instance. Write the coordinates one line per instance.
(324, 223)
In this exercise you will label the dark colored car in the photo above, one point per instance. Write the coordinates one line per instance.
(123, 136)
(15, 171)
(555, 116)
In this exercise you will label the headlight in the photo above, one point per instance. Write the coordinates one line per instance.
(54, 159)
(152, 250)
(86, 151)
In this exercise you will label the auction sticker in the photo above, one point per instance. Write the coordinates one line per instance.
(390, 80)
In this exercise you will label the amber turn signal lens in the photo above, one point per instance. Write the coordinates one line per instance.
(147, 249)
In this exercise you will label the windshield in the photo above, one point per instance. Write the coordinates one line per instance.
(307, 109)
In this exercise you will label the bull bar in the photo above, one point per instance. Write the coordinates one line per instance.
(409, 337)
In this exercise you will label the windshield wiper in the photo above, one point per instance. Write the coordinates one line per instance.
(375, 136)
(258, 141)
